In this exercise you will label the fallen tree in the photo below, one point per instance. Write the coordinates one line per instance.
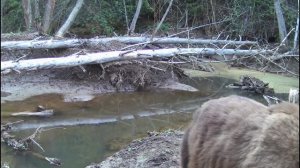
(104, 57)
(69, 43)
(45, 113)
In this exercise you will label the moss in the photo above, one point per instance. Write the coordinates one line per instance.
(281, 84)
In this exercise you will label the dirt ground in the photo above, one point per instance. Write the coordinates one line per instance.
(161, 150)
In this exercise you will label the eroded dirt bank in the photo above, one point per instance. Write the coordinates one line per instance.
(76, 85)
(159, 150)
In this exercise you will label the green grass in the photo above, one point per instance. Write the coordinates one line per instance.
(281, 84)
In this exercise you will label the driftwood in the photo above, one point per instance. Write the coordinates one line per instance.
(252, 84)
(69, 43)
(45, 113)
(41, 111)
(272, 99)
(10, 140)
(25, 145)
(104, 57)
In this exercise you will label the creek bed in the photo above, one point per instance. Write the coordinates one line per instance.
(92, 130)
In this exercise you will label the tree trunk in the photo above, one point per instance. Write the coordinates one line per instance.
(280, 20)
(2, 6)
(69, 43)
(27, 13)
(104, 57)
(37, 16)
(162, 20)
(135, 18)
(126, 16)
(296, 38)
(48, 15)
(61, 32)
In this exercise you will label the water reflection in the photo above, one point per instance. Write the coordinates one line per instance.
(95, 129)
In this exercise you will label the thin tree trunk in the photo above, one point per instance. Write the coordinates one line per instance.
(61, 32)
(280, 20)
(213, 14)
(135, 17)
(37, 16)
(48, 15)
(162, 20)
(126, 16)
(2, 6)
(27, 13)
(296, 38)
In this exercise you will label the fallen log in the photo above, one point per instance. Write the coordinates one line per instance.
(69, 43)
(104, 57)
(45, 113)
(252, 84)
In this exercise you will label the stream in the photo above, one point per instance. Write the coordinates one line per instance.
(90, 131)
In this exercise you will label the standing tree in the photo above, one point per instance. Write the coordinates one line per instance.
(48, 15)
(2, 6)
(65, 27)
(296, 37)
(37, 16)
(26, 4)
(36, 24)
(126, 16)
(162, 20)
(135, 17)
(281, 21)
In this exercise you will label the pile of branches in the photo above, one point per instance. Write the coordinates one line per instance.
(26, 144)
(199, 51)
(252, 84)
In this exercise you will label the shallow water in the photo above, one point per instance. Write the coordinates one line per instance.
(87, 132)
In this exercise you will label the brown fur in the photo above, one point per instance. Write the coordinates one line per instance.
(237, 132)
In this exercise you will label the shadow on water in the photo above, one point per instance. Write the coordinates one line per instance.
(90, 131)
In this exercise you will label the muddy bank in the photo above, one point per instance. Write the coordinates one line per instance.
(80, 83)
(15, 87)
(159, 150)
(76, 85)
